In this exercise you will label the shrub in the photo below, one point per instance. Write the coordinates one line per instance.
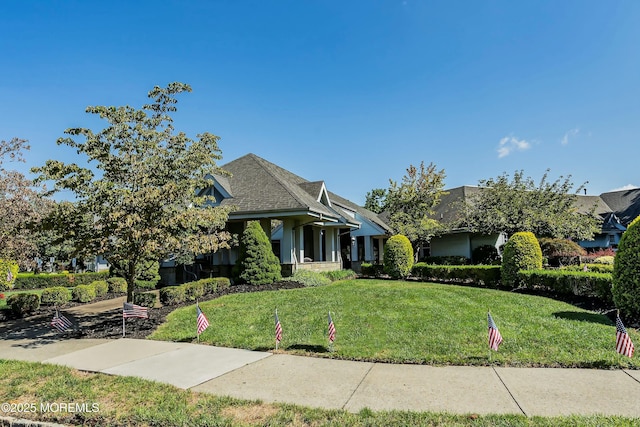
(626, 272)
(193, 290)
(570, 282)
(117, 285)
(485, 255)
(8, 274)
(446, 260)
(172, 295)
(101, 287)
(398, 257)
(145, 299)
(594, 268)
(45, 280)
(486, 275)
(521, 252)
(257, 264)
(211, 285)
(56, 295)
(561, 251)
(607, 259)
(84, 293)
(371, 270)
(340, 275)
(23, 303)
(310, 278)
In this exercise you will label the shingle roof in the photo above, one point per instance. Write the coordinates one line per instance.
(625, 204)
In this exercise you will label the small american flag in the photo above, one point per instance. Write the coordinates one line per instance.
(278, 329)
(332, 329)
(9, 275)
(494, 334)
(624, 345)
(60, 322)
(202, 321)
(132, 310)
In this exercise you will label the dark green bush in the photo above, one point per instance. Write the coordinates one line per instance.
(310, 278)
(117, 285)
(486, 255)
(446, 260)
(626, 272)
(521, 252)
(23, 303)
(561, 252)
(84, 293)
(398, 257)
(145, 299)
(486, 275)
(45, 280)
(212, 285)
(193, 290)
(56, 295)
(580, 283)
(340, 275)
(371, 270)
(101, 287)
(594, 268)
(172, 295)
(257, 264)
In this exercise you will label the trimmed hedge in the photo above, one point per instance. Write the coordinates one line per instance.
(570, 282)
(44, 280)
(23, 303)
(594, 268)
(84, 293)
(191, 291)
(371, 270)
(172, 295)
(310, 278)
(398, 257)
(117, 285)
(446, 260)
(146, 299)
(101, 287)
(56, 295)
(340, 275)
(521, 252)
(487, 275)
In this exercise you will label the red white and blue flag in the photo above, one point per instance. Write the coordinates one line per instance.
(624, 345)
(494, 334)
(278, 329)
(202, 321)
(132, 310)
(60, 322)
(332, 329)
(9, 275)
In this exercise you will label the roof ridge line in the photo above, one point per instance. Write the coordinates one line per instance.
(286, 187)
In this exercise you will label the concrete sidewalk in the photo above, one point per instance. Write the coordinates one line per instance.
(339, 384)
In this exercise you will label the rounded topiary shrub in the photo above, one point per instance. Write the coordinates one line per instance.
(56, 295)
(626, 272)
(84, 293)
(257, 264)
(101, 287)
(172, 295)
(145, 299)
(521, 252)
(398, 257)
(117, 285)
(8, 273)
(23, 303)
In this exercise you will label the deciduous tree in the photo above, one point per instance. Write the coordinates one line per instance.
(142, 192)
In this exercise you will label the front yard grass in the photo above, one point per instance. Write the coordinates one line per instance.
(137, 402)
(408, 322)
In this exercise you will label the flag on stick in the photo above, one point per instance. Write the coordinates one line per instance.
(9, 275)
(202, 321)
(132, 310)
(278, 330)
(494, 334)
(332, 330)
(624, 345)
(60, 322)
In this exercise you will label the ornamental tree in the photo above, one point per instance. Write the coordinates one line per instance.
(141, 194)
(257, 264)
(626, 272)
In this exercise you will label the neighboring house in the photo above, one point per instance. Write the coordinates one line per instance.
(616, 209)
(310, 227)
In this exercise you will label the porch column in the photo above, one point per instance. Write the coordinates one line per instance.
(380, 250)
(331, 244)
(287, 243)
(317, 244)
(299, 242)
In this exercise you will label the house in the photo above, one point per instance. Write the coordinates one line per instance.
(310, 227)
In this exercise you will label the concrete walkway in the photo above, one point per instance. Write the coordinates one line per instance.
(327, 383)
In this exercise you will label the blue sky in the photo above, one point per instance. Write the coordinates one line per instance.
(349, 92)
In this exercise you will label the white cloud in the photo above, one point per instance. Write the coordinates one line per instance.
(570, 134)
(626, 187)
(509, 144)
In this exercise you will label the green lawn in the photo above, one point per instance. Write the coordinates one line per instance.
(131, 401)
(408, 322)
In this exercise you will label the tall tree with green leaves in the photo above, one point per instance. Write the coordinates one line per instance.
(22, 206)
(410, 204)
(143, 199)
(376, 200)
(512, 204)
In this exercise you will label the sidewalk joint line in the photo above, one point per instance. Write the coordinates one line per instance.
(358, 386)
(632, 377)
(509, 391)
